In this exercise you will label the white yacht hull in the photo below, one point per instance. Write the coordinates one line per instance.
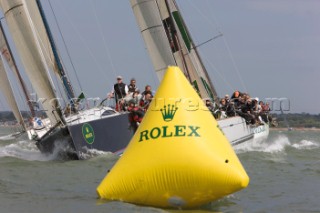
(237, 131)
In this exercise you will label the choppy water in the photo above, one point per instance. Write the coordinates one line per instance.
(284, 176)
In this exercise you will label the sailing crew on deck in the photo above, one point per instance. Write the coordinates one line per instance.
(132, 86)
(119, 92)
(223, 108)
(265, 109)
(133, 93)
(145, 102)
(147, 90)
(227, 99)
(210, 105)
(212, 108)
(136, 114)
(236, 96)
(37, 123)
(136, 97)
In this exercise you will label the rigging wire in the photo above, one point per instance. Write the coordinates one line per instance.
(207, 41)
(57, 82)
(228, 49)
(85, 45)
(213, 25)
(66, 47)
(103, 38)
(53, 78)
(208, 61)
(234, 64)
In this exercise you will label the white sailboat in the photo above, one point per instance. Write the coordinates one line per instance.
(100, 128)
(168, 43)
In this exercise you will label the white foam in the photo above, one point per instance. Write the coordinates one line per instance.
(25, 150)
(7, 137)
(90, 153)
(269, 146)
(306, 144)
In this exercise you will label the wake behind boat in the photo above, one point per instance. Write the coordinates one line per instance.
(11, 136)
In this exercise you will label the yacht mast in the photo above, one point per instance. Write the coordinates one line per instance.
(212, 88)
(168, 42)
(66, 83)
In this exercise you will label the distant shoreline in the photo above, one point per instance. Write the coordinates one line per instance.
(295, 129)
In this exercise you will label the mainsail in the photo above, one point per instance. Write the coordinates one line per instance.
(6, 88)
(169, 43)
(7, 56)
(48, 45)
(27, 33)
(100, 128)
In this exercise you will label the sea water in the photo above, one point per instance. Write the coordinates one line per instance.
(284, 173)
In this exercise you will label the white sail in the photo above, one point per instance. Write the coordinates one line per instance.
(8, 58)
(168, 42)
(150, 23)
(41, 34)
(168, 34)
(6, 88)
(6, 53)
(26, 39)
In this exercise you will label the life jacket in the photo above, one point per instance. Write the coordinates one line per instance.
(119, 90)
(144, 104)
(136, 114)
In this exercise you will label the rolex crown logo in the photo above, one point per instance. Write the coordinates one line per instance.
(168, 112)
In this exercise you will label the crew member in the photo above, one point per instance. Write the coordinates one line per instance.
(119, 92)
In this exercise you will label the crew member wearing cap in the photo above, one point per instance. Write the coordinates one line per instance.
(120, 91)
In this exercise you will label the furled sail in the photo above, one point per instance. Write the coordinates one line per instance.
(169, 43)
(28, 44)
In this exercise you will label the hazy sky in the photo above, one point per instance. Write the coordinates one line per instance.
(270, 49)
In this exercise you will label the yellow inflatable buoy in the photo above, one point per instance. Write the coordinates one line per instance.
(178, 157)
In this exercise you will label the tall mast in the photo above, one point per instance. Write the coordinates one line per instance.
(168, 42)
(66, 83)
(176, 38)
(16, 71)
(213, 90)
